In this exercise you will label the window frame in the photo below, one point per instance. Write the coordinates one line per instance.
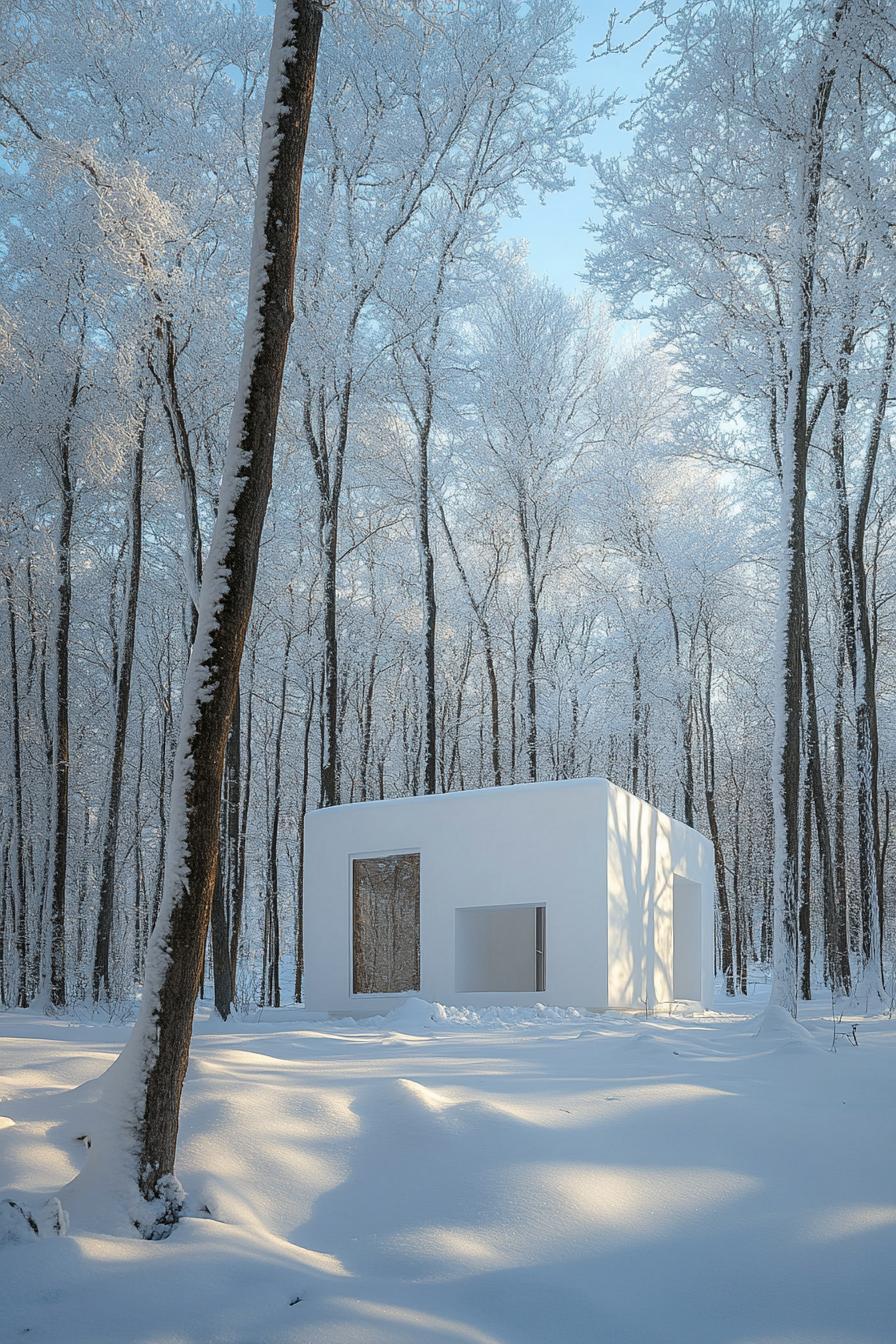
(391, 852)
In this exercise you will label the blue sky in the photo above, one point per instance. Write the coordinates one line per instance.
(555, 231)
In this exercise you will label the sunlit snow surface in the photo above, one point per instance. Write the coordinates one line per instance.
(496, 1177)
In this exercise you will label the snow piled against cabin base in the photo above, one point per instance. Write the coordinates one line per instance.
(450, 1176)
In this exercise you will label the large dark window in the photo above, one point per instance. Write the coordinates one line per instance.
(386, 924)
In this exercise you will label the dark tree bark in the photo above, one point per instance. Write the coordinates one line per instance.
(636, 723)
(479, 609)
(159, 1048)
(16, 860)
(866, 690)
(367, 726)
(805, 914)
(164, 371)
(222, 899)
(271, 979)
(300, 876)
(839, 788)
(709, 788)
(532, 544)
(141, 921)
(786, 758)
(101, 983)
(837, 953)
(239, 884)
(57, 986)
(688, 752)
(428, 594)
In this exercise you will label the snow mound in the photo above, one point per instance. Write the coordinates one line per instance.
(414, 1014)
(18, 1224)
(508, 1019)
(418, 1015)
(512, 1183)
(782, 1032)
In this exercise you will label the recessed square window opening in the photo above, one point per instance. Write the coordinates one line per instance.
(499, 948)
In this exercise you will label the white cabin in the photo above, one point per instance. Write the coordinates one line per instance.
(568, 893)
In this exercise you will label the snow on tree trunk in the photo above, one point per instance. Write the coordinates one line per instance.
(871, 989)
(152, 1068)
(786, 754)
(57, 985)
(17, 839)
(101, 960)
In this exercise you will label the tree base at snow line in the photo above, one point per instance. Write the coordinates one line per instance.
(18, 1224)
(156, 1218)
(868, 993)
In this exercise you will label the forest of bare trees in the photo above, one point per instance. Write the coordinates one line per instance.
(512, 535)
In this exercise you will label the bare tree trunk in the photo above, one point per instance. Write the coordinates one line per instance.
(742, 922)
(140, 906)
(794, 454)
(805, 913)
(428, 594)
(7, 897)
(866, 701)
(329, 780)
(840, 885)
(166, 378)
(57, 986)
(300, 877)
(709, 786)
(532, 633)
(837, 955)
(101, 983)
(271, 989)
(688, 749)
(155, 1061)
(487, 645)
(636, 723)
(17, 847)
(367, 727)
(222, 899)
(239, 884)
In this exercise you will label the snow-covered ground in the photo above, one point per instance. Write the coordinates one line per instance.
(514, 1177)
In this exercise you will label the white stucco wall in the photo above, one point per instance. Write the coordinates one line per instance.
(532, 843)
(601, 861)
(645, 849)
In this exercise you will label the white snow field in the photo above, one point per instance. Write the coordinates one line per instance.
(503, 1177)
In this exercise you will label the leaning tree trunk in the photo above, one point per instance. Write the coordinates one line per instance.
(238, 891)
(122, 705)
(155, 1061)
(222, 902)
